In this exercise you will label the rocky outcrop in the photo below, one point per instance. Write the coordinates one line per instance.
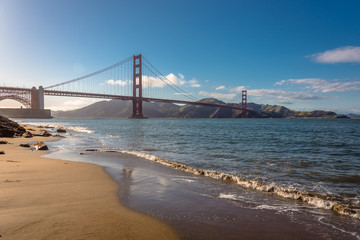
(10, 128)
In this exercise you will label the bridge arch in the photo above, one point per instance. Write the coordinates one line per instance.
(23, 100)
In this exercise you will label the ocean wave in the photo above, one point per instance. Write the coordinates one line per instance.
(332, 202)
(229, 196)
(113, 136)
(73, 128)
(79, 129)
(354, 234)
(53, 126)
(319, 200)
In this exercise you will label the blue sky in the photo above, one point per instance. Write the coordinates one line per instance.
(304, 55)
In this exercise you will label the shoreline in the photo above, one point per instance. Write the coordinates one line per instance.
(177, 199)
(182, 200)
(43, 198)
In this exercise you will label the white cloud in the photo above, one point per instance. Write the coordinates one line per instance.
(319, 85)
(194, 83)
(348, 54)
(282, 82)
(217, 95)
(281, 94)
(176, 80)
(150, 81)
(177, 93)
(118, 82)
(237, 89)
(220, 87)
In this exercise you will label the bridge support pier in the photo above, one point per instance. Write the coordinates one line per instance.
(37, 98)
(137, 88)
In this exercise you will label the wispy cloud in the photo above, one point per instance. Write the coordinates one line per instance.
(177, 93)
(319, 85)
(220, 87)
(117, 82)
(348, 54)
(237, 89)
(194, 83)
(287, 95)
(217, 95)
(178, 80)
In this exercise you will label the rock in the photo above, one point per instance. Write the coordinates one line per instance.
(41, 146)
(2, 152)
(61, 130)
(9, 128)
(24, 145)
(21, 129)
(7, 132)
(3, 142)
(46, 134)
(91, 150)
(27, 135)
(60, 136)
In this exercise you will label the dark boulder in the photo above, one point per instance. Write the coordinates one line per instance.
(24, 145)
(61, 130)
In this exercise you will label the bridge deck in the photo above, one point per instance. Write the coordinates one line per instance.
(108, 96)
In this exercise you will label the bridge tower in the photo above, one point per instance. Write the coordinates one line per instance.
(137, 87)
(244, 104)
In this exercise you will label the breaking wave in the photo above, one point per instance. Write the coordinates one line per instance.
(80, 129)
(325, 201)
(73, 128)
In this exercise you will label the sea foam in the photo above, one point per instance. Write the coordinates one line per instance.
(325, 201)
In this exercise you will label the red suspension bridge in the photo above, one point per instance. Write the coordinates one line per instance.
(134, 79)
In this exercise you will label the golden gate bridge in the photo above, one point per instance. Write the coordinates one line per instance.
(133, 79)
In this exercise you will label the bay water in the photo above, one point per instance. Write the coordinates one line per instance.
(311, 165)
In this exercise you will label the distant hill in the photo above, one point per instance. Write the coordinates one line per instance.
(118, 109)
(123, 109)
(196, 111)
(354, 116)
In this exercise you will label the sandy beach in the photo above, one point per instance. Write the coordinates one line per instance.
(44, 198)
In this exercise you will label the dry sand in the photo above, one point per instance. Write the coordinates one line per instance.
(43, 198)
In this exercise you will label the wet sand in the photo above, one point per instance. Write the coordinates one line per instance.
(178, 199)
(44, 198)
